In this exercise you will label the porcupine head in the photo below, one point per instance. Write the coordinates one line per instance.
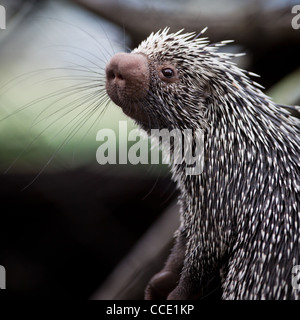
(178, 81)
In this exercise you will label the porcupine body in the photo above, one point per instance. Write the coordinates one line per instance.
(241, 216)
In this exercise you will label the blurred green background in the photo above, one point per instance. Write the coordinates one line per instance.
(46, 61)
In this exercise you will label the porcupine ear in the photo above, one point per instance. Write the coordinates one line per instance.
(204, 93)
(205, 90)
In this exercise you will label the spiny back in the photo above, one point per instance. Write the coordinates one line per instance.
(213, 94)
(242, 213)
(247, 199)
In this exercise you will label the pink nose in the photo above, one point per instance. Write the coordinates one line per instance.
(127, 77)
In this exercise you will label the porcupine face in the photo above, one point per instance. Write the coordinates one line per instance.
(162, 83)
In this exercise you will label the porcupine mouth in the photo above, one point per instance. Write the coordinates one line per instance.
(132, 107)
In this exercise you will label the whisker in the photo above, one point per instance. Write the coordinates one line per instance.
(76, 127)
(74, 90)
(80, 102)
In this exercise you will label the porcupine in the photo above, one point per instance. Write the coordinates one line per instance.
(240, 217)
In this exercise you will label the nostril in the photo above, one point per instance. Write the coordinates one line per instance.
(110, 75)
(113, 74)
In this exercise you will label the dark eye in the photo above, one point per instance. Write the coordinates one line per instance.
(168, 73)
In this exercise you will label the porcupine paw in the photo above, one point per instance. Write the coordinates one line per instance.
(185, 290)
(183, 293)
(161, 284)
